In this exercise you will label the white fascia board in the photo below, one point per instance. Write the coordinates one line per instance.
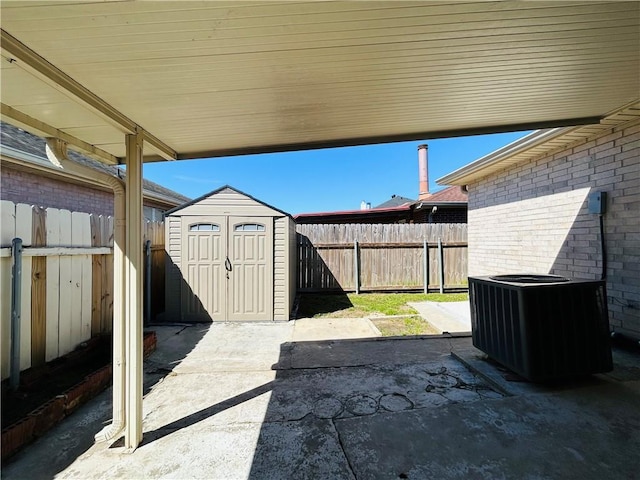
(14, 155)
(458, 177)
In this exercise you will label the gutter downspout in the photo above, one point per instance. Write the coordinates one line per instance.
(57, 155)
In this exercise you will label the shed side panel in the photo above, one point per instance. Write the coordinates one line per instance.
(173, 277)
(280, 310)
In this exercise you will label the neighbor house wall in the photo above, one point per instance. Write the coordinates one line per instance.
(21, 186)
(442, 215)
(533, 218)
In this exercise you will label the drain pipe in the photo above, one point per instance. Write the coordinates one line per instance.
(57, 154)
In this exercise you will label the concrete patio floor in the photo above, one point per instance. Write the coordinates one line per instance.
(238, 401)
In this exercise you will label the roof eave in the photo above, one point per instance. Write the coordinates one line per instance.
(18, 157)
(473, 170)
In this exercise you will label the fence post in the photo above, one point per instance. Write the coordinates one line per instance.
(356, 266)
(147, 284)
(16, 298)
(440, 265)
(425, 266)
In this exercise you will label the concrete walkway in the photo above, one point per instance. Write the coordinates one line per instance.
(313, 329)
(446, 317)
(238, 401)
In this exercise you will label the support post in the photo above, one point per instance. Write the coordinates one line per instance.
(16, 299)
(440, 266)
(133, 297)
(356, 266)
(425, 266)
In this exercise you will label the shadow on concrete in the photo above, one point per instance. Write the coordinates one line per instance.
(205, 413)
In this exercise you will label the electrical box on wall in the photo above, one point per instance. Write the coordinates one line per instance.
(597, 202)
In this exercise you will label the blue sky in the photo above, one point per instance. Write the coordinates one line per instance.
(327, 179)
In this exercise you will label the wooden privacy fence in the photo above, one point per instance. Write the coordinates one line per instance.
(359, 257)
(67, 279)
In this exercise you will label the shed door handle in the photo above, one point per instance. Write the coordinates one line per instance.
(227, 264)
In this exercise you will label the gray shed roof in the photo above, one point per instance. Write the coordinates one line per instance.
(218, 190)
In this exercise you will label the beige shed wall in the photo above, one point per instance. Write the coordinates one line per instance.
(279, 270)
(534, 218)
(229, 202)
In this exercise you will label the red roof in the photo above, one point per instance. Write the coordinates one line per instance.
(449, 194)
(400, 208)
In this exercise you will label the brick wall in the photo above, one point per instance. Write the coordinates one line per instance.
(533, 218)
(24, 187)
(20, 186)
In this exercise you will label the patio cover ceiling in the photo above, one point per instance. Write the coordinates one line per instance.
(205, 79)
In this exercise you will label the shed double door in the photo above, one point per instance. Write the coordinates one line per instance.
(227, 265)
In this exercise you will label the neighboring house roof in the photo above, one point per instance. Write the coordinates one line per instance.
(218, 190)
(536, 144)
(453, 195)
(395, 201)
(30, 149)
(370, 211)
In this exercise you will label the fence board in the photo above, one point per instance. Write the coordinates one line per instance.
(107, 294)
(53, 285)
(38, 289)
(96, 276)
(81, 268)
(7, 234)
(65, 334)
(154, 232)
(391, 255)
(67, 294)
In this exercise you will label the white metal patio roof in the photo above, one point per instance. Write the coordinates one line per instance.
(217, 78)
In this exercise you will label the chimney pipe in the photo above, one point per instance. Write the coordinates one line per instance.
(423, 171)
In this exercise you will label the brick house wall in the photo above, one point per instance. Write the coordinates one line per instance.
(533, 218)
(21, 186)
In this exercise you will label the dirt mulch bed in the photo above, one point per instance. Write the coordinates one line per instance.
(397, 326)
(48, 393)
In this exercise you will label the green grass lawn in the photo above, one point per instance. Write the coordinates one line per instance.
(368, 304)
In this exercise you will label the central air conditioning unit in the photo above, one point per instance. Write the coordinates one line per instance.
(542, 327)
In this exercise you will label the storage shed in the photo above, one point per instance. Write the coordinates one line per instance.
(230, 257)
